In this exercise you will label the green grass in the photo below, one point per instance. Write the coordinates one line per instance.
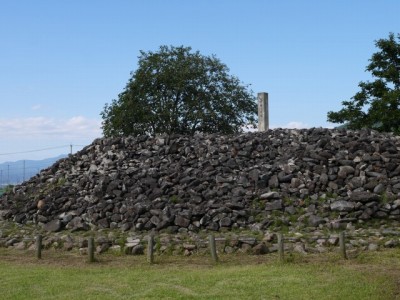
(67, 276)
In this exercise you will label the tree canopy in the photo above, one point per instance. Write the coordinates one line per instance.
(377, 104)
(175, 90)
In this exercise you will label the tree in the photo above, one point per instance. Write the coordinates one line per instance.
(377, 105)
(175, 90)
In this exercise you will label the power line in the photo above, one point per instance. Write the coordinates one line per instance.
(44, 149)
(15, 171)
(30, 151)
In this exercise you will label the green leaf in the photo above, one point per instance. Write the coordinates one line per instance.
(377, 104)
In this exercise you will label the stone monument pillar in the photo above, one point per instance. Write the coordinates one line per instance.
(263, 117)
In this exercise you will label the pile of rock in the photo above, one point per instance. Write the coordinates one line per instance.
(296, 178)
(257, 243)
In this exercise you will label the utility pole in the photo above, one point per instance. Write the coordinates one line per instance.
(8, 174)
(71, 148)
(23, 177)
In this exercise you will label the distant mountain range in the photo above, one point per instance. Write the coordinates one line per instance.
(21, 170)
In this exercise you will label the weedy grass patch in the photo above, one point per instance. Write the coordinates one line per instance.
(61, 275)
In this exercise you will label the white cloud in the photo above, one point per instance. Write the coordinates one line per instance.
(293, 125)
(41, 127)
(36, 107)
(290, 125)
(74, 127)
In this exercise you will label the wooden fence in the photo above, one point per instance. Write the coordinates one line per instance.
(211, 245)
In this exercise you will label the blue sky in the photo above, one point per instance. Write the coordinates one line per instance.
(61, 61)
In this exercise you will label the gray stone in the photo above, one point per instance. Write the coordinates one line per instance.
(189, 247)
(19, 246)
(68, 245)
(53, 226)
(295, 183)
(315, 221)
(221, 179)
(363, 197)
(41, 219)
(290, 210)
(260, 249)
(103, 223)
(137, 250)
(371, 184)
(116, 249)
(375, 174)
(11, 242)
(181, 221)
(126, 227)
(380, 188)
(131, 244)
(229, 250)
(102, 240)
(395, 212)
(381, 214)
(225, 222)
(213, 226)
(357, 182)
(274, 205)
(246, 248)
(390, 232)
(20, 218)
(269, 195)
(155, 220)
(373, 247)
(254, 174)
(333, 241)
(333, 185)
(77, 224)
(300, 248)
(102, 248)
(344, 171)
(311, 208)
(324, 179)
(65, 218)
(273, 182)
(4, 213)
(342, 205)
(391, 243)
(248, 240)
(205, 220)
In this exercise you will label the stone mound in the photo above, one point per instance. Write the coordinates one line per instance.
(295, 178)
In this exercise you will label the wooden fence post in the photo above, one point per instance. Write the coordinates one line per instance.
(39, 246)
(213, 248)
(342, 244)
(91, 249)
(150, 249)
(280, 247)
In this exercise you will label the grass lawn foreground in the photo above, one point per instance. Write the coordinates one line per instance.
(61, 275)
